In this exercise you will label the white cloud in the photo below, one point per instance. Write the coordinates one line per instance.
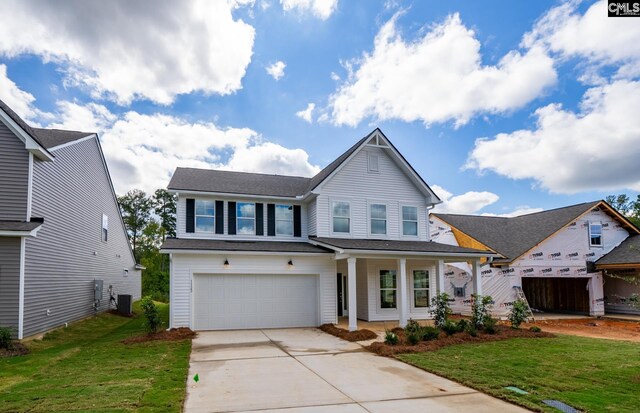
(20, 101)
(594, 36)
(322, 9)
(467, 203)
(126, 50)
(307, 114)
(438, 77)
(276, 70)
(595, 149)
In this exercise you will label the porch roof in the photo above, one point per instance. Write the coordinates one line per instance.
(19, 228)
(378, 246)
(625, 254)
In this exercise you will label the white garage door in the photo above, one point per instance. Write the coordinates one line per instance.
(228, 302)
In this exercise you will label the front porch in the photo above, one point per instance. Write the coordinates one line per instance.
(385, 291)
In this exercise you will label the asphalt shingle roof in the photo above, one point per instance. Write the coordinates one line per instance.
(512, 237)
(628, 252)
(47, 138)
(226, 245)
(20, 226)
(208, 180)
(50, 138)
(392, 245)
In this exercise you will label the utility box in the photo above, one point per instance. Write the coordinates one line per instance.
(97, 290)
(125, 304)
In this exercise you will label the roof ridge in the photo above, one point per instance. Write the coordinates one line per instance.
(240, 172)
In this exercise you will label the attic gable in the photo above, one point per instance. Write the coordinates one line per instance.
(377, 140)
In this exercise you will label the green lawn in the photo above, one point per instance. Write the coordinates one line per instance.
(86, 368)
(591, 375)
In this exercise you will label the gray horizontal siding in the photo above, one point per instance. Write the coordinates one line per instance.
(71, 194)
(9, 282)
(14, 176)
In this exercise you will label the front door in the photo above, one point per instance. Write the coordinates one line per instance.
(342, 289)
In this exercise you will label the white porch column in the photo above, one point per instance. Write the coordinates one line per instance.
(439, 276)
(477, 278)
(351, 273)
(402, 292)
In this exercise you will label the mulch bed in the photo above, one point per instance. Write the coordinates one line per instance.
(503, 333)
(17, 349)
(358, 335)
(174, 334)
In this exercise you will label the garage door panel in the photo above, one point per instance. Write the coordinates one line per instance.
(254, 301)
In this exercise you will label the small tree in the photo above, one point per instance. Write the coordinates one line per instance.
(440, 309)
(152, 322)
(518, 313)
(480, 310)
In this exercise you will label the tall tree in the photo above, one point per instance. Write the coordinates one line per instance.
(626, 206)
(165, 208)
(136, 212)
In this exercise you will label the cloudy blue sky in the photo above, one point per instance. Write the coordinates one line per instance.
(503, 107)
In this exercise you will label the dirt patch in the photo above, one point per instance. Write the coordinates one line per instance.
(174, 334)
(358, 335)
(17, 349)
(503, 333)
(592, 327)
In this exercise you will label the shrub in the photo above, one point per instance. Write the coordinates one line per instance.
(480, 309)
(390, 338)
(472, 330)
(490, 326)
(518, 313)
(535, 329)
(150, 310)
(412, 326)
(450, 328)
(413, 337)
(5, 338)
(440, 309)
(430, 333)
(463, 324)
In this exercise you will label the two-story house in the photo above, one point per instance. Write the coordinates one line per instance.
(563, 260)
(60, 228)
(258, 251)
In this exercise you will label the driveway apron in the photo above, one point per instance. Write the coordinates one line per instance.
(305, 370)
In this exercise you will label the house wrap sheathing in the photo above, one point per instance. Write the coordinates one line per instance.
(561, 256)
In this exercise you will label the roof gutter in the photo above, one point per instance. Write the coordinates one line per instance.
(232, 195)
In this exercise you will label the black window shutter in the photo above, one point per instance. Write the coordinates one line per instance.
(259, 219)
(231, 208)
(271, 220)
(297, 221)
(191, 214)
(219, 217)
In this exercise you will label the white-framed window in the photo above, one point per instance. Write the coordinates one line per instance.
(409, 220)
(388, 289)
(420, 288)
(284, 219)
(246, 218)
(374, 161)
(595, 234)
(341, 213)
(378, 218)
(205, 215)
(105, 227)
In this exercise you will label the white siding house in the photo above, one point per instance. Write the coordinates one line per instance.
(257, 251)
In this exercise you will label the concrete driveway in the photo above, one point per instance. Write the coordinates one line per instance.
(307, 371)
